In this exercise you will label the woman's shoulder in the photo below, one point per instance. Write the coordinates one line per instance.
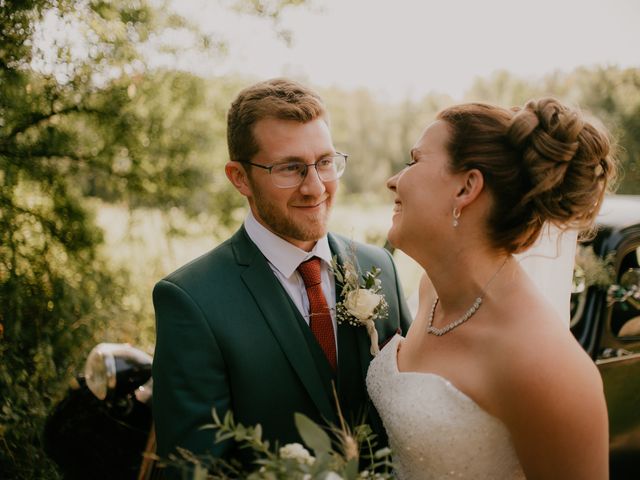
(540, 354)
(550, 395)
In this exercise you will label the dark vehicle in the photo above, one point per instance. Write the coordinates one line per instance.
(606, 322)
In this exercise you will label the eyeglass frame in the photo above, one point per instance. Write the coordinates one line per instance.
(306, 165)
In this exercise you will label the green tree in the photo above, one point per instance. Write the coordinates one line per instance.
(81, 116)
(613, 95)
(503, 88)
(610, 94)
(377, 135)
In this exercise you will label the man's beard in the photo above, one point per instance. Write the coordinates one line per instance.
(284, 226)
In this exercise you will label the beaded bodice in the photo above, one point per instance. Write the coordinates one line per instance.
(436, 431)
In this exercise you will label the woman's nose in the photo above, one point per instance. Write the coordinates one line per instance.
(392, 181)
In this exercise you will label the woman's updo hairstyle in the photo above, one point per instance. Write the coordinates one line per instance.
(542, 163)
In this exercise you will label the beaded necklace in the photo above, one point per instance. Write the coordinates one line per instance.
(467, 315)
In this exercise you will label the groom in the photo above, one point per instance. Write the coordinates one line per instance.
(250, 326)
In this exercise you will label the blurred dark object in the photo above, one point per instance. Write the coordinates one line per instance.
(102, 427)
(605, 319)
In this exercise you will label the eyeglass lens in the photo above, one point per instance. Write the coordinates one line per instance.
(293, 173)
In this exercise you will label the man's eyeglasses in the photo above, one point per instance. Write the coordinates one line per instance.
(291, 174)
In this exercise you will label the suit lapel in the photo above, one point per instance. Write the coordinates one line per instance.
(280, 315)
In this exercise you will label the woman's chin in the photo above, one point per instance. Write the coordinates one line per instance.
(393, 237)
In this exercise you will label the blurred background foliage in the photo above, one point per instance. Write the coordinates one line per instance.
(111, 175)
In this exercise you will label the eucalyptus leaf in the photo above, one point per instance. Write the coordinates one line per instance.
(312, 435)
(216, 418)
(351, 469)
(199, 472)
(322, 464)
(257, 433)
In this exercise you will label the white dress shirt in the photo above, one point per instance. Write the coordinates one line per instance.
(284, 259)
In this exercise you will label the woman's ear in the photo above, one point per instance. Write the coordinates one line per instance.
(238, 177)
(471, 186)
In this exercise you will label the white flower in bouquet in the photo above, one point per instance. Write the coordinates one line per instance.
(297, 452)
(333, 476)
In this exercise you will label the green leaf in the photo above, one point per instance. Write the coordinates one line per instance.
(257, 433)
(351, 470)
(312, 435)
(199, 472)
(216, 418)
(383, 452)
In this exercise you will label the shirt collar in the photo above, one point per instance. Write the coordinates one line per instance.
(284, 256)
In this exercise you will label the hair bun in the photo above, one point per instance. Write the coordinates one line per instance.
(564, 158)
(546, 132)
(522, 124)
(549, 128)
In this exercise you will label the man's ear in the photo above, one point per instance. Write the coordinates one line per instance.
(238, 177)
(471, 186)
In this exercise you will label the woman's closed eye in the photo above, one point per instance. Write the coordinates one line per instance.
(412, 162)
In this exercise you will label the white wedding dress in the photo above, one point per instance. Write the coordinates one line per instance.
(435, 430)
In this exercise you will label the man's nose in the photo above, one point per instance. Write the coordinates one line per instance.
(312, 184)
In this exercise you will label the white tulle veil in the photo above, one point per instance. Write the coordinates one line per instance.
(550, 264)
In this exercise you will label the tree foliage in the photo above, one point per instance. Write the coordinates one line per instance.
(82, 116)
(377, 135)
(610, 94)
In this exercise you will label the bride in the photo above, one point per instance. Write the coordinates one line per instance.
(489, 383)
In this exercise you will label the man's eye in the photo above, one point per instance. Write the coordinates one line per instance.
(290, 168)
(325, 162)
(412, 162)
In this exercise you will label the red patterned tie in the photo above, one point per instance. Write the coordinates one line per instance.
(320, 317)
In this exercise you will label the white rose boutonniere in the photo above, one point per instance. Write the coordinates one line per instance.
(361, 303)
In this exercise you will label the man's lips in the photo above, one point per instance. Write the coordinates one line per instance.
(311, 206)
(397, 207)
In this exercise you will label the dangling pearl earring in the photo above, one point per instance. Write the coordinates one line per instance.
(456, 216)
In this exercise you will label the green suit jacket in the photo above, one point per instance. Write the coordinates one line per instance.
(229, 337)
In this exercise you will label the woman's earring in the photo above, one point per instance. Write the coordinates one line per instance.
(456, 216)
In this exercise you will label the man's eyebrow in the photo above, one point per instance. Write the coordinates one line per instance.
(294, 158)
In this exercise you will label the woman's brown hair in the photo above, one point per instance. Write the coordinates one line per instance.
(542, 163)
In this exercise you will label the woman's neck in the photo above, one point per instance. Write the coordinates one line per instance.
(461, 278)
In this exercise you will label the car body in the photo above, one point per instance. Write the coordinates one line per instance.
(610, 331)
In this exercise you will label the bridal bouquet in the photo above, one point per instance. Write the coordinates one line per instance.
(319, 459)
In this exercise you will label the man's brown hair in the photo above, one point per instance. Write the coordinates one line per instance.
(278, 98)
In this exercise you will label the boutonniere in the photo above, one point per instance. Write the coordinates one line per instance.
(361, 303)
